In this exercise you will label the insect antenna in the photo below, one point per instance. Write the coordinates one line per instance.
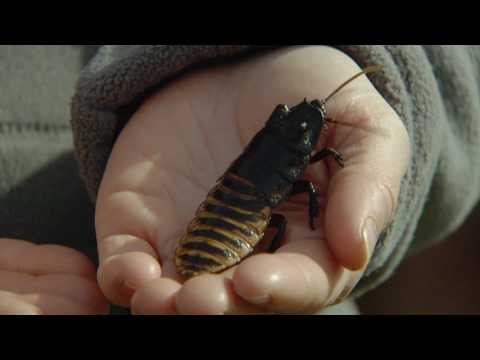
(321, 103)
(367, 70)
(356, 126)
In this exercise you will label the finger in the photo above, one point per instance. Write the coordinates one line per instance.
(285, 282)
(343, 287)
(360, 208)
(119, 276)
(26, 257)
(303, 276)
(211, 295)
(11, 304)
(362, 197)
(57, 305)
(125, 228)
(127, 263)
(156, 298)
(123, 244)
(81, 289)
(115, 287)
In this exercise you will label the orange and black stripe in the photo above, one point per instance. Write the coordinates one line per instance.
(226, 228)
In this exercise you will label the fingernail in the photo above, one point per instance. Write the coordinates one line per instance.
(369, 237)
(345, 292)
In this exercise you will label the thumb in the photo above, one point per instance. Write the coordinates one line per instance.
(360, 207)
(362, 197)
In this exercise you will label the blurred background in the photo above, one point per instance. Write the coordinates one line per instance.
(443, 279)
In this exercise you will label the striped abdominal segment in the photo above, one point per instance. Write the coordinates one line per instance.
(226, 228)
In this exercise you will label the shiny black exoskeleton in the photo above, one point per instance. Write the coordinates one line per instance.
(278, 155)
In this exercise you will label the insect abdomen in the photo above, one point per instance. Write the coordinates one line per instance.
(226, 228)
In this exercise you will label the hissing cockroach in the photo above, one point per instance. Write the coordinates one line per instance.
(237, 211)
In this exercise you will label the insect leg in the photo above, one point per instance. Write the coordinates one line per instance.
(279, 222)
(303, 186)
(322, 154)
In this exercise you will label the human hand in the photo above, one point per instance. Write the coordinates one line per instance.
(184, 137)
(47, 280)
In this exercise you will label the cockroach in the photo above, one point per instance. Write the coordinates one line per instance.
(237, 211)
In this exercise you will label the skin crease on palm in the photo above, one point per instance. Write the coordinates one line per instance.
(47, 280)
(185, 136)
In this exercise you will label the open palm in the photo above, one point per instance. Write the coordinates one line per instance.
(47, 280)
(185, 136)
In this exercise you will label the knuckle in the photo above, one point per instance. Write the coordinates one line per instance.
(389, 197)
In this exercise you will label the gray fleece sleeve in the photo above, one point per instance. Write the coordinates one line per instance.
(434, 89)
